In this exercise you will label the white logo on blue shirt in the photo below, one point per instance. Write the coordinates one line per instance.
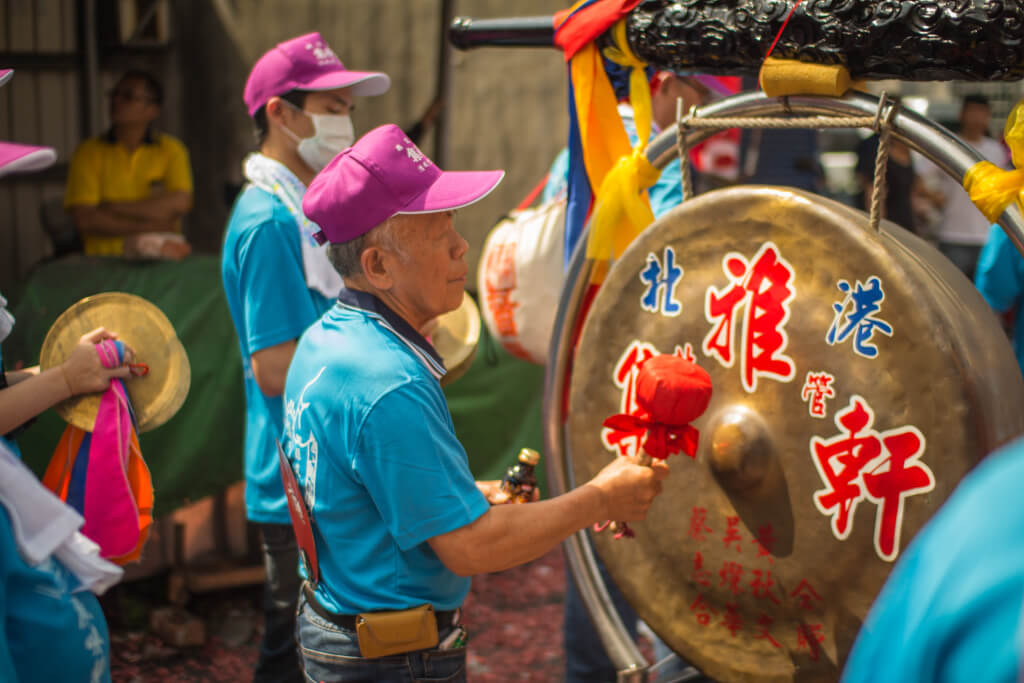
(305, 449)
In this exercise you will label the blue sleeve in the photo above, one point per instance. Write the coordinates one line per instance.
(414, 467)
(1000, 273)
(667, 193)
(558, 177)
(951, 609)
(276, 303)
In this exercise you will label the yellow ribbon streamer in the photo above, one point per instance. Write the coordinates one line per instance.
(991, 188)
(622, 210)
(618, 174)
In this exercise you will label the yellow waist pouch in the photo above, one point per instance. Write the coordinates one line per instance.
(391, 633)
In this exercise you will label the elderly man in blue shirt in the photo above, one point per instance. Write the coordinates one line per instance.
(398, 521)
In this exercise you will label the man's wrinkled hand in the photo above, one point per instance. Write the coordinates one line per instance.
(628, 489)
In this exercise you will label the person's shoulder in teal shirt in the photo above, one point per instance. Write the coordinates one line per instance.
(951, 609)
(270, 304)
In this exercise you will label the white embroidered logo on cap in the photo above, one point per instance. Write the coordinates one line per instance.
(415, 155)
(323, 53)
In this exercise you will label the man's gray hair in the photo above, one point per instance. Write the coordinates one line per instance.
(346, 256)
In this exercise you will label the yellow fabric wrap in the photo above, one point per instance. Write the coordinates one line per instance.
(619, 175)
(639, 88)
(602, 135)
(622, 211)
(781, 77)
(991, 188)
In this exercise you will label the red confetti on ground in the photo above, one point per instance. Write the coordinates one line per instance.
(514, 620)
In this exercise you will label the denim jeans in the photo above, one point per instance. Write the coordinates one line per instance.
(585, 658)
(279, 657)
(330, 654)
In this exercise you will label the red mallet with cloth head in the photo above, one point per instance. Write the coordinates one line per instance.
(671, 392)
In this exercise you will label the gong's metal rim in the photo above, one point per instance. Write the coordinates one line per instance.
(930, 139)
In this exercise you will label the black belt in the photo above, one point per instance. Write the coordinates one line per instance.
(444, 619)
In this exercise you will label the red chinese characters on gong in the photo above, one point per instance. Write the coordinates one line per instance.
(765, 623)
(860, 463)
(757, 299)
(702, 610)
(817, 388)
(699, 524)
(809, 637)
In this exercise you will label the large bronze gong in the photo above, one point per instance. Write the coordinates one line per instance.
(857, 377)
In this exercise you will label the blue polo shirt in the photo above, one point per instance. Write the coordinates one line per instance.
(47, 632)
(951, 609)
(373, 448)
(270, 304)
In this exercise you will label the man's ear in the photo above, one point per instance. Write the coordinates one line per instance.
(375, 265)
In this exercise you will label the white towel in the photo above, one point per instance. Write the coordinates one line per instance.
(6, 319)
(43, 526)
(274, 177)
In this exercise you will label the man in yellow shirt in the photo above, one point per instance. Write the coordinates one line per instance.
(128, 188)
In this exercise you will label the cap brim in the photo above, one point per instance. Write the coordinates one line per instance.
(454, 190)
(363, 83)
(15, 158)
(5, 75)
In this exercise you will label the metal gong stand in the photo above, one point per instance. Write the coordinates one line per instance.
(852, 110)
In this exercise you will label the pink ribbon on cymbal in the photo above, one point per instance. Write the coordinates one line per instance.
(111, 514)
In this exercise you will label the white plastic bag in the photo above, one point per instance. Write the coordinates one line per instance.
(520, 271)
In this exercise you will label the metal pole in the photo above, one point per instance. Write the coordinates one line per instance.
(467, 33)
(938, 144)
(444, 86)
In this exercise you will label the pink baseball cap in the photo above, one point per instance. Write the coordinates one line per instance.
(306, 63)
(381, 175)
(15, 158)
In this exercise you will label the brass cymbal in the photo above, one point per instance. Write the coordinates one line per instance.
(155, 397)
(857, 376)
(455, 338)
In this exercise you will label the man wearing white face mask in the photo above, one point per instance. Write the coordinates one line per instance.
(278, 282)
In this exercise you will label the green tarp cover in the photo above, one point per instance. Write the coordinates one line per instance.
(495, 406)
